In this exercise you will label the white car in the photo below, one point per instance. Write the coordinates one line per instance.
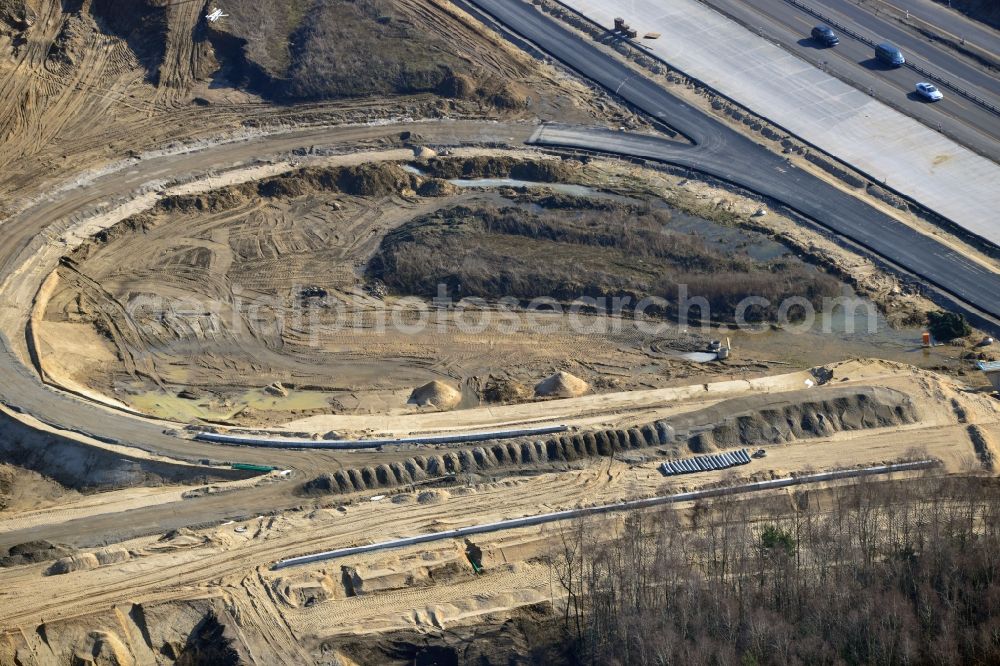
(929, 92)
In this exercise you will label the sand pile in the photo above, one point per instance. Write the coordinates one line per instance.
(436, 394)
(64, 565)
(505, 391)
(561, 385)
(433, 496)
(86, 561)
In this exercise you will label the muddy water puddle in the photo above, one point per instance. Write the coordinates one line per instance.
(209, 408)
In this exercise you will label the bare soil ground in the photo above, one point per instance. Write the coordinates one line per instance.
(174, 581)
(218, 305)
(22, 490)
(255, 304)
(88, 84)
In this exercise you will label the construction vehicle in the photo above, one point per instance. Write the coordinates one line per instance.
(624, 28)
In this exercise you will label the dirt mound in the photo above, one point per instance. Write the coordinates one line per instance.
(985, 451)
(457, 86)
(377, 179)
(785, 417)
(322, 484)
(491, 166)
(436, 394)
(216, 201)
(211, 642)
(16, 14)
(497, 456)
(561, 385)
(436, 187)
(739, 422)
(112, 555)
(81, 562)
(433, 496)
(505, 391)
(31, 552)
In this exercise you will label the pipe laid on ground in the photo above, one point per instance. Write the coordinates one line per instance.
(300, 443)
(569, 514)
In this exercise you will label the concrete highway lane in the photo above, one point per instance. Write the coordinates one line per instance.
(723, 152)
(852, 60)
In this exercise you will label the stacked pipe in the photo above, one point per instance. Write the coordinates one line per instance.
(705, 463)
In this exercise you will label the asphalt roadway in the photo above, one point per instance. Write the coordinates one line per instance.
(726, 154)
(950, 23)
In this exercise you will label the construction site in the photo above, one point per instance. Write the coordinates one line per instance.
(382, 332)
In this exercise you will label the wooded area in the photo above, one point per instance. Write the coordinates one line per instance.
(901, 572)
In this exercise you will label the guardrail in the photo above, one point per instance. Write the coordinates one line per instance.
(540, 519)
(972, 97)
(300, 443)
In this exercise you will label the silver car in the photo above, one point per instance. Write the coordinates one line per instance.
(929, 92)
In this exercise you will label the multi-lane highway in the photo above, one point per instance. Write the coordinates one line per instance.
(967, 34)
(972, 120)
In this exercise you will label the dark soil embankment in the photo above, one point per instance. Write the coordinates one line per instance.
(777, 419)
(576, 251)
(89, 468)
(298, 50)
(488, 166)
(530, 635)
(741, 422)
(983, 445)
(33, 552)
(16, 14)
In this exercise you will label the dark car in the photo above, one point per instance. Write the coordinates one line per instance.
(825, 35)
(890, 55)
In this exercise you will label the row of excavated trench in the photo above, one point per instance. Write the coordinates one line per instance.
(492, 457)
(769, 420)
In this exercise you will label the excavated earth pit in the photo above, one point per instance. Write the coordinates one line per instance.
(258, 303)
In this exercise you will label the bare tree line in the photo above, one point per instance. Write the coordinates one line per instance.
(902, 572)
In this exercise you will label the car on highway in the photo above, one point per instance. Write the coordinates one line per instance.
(929, 91)
(889, 54)
(825, 35)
